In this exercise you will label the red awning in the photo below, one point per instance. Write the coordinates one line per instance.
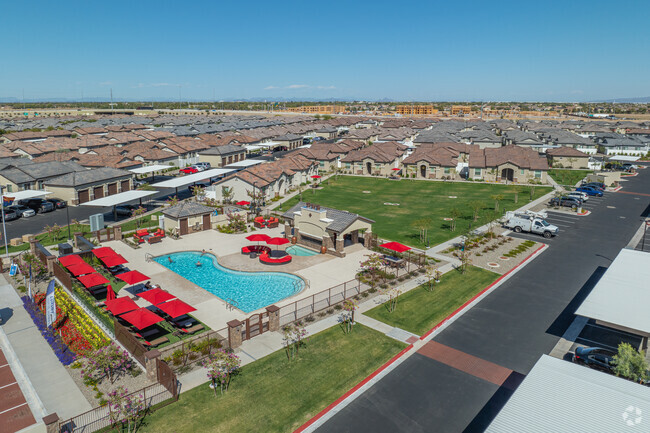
(121, 305)
(156, 296)
(315, 176)
(81, 269)
(175, 308)
(132, 277)
(103, 252)
(258, 237)
(141, 318)
(395, 246)
(72, 259)
(396, 169)
(92, 280)
(110, 293)
(113, 260)
(277, 241)
(243, 203)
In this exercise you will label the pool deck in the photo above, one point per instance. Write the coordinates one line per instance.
(320, 272)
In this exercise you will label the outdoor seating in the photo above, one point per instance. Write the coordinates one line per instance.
(157, 342)
(193, 329)
(259, 222)
(259, 249)
(154, 239)
(272, 222)
(268, 260)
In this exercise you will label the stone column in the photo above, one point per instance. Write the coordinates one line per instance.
(32, 247)
(327, 242)
(354, 236)
(74, 238)
(51, 422)
(296, 233)
(51, 261)
(234, 333)
(340, 243)
(367, 237)
(151, 364)
(117, 233)
(274, 317)
(287, 231)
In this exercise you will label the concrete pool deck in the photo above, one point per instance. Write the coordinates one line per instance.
(320, 272)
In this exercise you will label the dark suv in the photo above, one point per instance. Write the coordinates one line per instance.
(38, 204)
(57, 202)
(595, 357)
(565, 201)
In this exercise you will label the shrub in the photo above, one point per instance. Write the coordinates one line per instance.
(365, 294)
(309, 319)
(338, 307)
(330, 310)
(322, 314)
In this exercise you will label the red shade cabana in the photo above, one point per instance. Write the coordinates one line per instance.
(315, 176)
(80, 269)
(395, 246)
(110, 293)
(121, 305)
(103, 252)
(72, 259)
(243, 203)
(132, 277)
(92, 280)
(175, 308)
(156, 296)
(141, 318)
(113, 260)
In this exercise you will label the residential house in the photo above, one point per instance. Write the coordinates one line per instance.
(567, 157)
(22, 174)
(220, 156)
(378, 160)
(89, 184)
(508, 164)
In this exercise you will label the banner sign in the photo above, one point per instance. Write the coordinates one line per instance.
(7, 201)
(50, 305)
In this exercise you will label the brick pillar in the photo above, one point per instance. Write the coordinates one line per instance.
(287, 231)
(74, 238)
(151, 364)
(51, 422)
(367, 237)
(32, 247)
(117, 233)
(296, 233)
(234, 333)
(355, 237)
(51, 260)
(274, 317)
(327, 242)
(340, 243)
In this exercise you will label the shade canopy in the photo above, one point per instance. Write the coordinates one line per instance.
(132, 277)
(156, 296)
(72, 259)
(315, 176)
(121, 305)
(396, 169)
(103, 252)
(113, 260)
(141, 318)
(80, 269)
(277, 241)
(92, 280)
(258, 237)
(395, 246)
(243, 203)
(175, 308)
(110, 293)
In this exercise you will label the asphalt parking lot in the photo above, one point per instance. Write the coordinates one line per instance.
(596, 335)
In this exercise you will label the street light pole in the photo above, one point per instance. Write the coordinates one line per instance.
(67, 213)
(4, 227)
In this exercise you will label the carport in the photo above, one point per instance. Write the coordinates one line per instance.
(192, 179)
(150, 169)
(30, 193)
(120, 198)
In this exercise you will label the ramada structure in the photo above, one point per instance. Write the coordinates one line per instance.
(329, 230)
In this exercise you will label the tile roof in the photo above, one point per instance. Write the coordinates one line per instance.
(187, 209)
(87, 176)
(341, 219)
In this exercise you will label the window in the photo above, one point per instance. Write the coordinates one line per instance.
(9, 188)
(521, 171)
(321, 164)
(538, 174)
(477, 172)
(377, 165)
(447, 170)
(347, 165)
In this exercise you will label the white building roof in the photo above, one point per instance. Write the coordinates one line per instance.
(149, 168)
(120, 198)
(624, 158)
(190, 179)
(24, 195)
(562, 397)
(622, 296)
(245, 163)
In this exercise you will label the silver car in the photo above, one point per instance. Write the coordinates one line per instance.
(22, 211)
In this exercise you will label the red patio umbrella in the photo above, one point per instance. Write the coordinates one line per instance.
(132, 277)
(110, 293)
(395, 246)
(121, 305)
(315, 176)
(156, 296)
(141, 318)
(396, 169)
(113, 260)
(258, 237)
(277, 241)
(92, 280)
(72, 259)
(103, 252)
(81, 269)
(243, 203)
(175, 308)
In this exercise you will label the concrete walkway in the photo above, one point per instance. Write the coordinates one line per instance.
(44, 373)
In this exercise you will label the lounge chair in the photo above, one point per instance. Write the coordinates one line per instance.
(193, 329)
(157, 342)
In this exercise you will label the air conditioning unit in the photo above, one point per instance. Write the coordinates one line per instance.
(96, 222)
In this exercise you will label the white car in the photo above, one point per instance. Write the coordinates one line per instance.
(581, 195)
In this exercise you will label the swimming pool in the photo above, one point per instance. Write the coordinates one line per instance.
(249, 290)
(297, 250)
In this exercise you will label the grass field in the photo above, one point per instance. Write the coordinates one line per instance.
(417, 199)
(275, 395)
(420, 310)
(568, 177)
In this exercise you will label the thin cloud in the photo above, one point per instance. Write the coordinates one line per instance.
(326, 87)
(271, 87)
(298, 86)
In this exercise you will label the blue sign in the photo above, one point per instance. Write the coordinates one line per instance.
(50, 305)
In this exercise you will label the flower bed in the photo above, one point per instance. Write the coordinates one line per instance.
(78, 331)
(65, 355)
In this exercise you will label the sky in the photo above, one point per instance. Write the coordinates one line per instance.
(429, 50)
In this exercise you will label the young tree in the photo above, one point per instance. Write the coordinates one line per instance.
(465, 260)
(430, 274)
(127, 409)
(108, 362)
(48, 228)
(56, 231)
(137, 213)
(422, 225)
(497, 198)
(393, 297)
(371, 268)
(532, 192)
(172, 201)
(630, 363)
(292, 338)
(347, 317)
(222, 365)
(198, 192)
(476, 206)
(227, 194)
(454, 213)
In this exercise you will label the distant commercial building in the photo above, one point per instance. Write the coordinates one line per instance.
(318, 109)
(416, 110)
(460, 109)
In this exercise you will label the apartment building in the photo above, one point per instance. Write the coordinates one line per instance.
(416, 110)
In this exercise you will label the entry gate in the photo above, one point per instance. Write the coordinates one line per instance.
(255, 325)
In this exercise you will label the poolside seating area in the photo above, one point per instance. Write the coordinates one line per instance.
(268, 259)
(260, 222)
(150, 236)
(259, 249)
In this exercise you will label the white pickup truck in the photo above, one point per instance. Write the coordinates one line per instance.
(533, 222)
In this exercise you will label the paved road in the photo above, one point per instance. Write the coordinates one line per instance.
(506, 332)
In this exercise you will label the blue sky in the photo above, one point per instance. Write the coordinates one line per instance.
(428, 50)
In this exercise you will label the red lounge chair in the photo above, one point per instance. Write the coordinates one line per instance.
(141, 233)
(260, 249)
(268, 260)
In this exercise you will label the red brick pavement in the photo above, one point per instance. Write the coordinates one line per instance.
(15, 414)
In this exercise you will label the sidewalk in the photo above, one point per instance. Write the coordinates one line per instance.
(45, 374)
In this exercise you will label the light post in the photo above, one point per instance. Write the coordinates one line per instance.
(4, 227)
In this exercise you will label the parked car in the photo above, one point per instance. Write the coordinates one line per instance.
(565, 202)
(598, 185)
(202, 166)
(581, 195)
(189, 170)
(532, 222)
(594, 357)
(58, 203)
(590, 190)
(629, 167)
(9, 215)
(125, 210)
(39, 205)
(22, 211)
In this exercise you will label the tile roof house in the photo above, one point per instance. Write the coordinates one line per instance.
(378, 159)
(567, 157)
(219, 156)
(17, 176)
(508, 163)
(89, 184)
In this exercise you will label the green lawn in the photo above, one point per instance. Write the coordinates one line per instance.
(420, 310)
(417, 199)
(145, 222)
(568, 177)
(275, 395)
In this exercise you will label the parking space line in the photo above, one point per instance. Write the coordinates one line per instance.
(593, 343)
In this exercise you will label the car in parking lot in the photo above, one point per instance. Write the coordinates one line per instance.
(590, 190)
(595, 357)
(565, 202)
(22, 211)
(202, 166)
(578, 194)
(58, 203)
(189, 170)
(8, 215)
(598, 185)
(39, 205)
(125, 210)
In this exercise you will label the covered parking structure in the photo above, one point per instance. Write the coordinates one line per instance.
(621, 297)
(120, 198)
(211, 175)
(150, 169)
(27, 194)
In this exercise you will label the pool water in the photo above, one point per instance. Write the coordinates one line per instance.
(250, 291)
(297, 250)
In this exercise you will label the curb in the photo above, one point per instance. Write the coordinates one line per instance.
(475, 299)
(585, 213)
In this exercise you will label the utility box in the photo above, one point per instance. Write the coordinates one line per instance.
(161, 222)
(96, 222)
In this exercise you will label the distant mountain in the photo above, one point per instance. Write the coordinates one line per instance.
(642, 100)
